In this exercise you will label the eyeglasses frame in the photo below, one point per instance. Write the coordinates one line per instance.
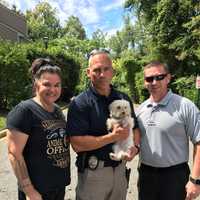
(160, 77)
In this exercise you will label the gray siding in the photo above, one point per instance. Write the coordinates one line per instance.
(12, 26)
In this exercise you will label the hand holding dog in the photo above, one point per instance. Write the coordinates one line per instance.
(120, 133)
(132, 152)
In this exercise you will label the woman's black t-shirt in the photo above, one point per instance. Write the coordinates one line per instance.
(47, 152)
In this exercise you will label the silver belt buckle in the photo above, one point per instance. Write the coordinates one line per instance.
(93, 162)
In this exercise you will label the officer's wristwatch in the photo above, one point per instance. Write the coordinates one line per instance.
(195, 181)
(137, 146)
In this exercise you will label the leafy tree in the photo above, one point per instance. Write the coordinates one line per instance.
(142, 8)
(185, 86)
(78, 49)
(123, 39)
(128, 32)
(187, 44)
(14, 74)
(115, 42)
(15, 60)
(99, 38)
(171, 30)
(42, 22)
(74, 28)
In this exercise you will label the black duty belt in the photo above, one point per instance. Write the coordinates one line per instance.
(92, 162)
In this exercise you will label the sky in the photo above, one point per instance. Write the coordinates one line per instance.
(106, 15)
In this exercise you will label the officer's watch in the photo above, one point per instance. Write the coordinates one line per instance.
(195, 181)
(137, 146)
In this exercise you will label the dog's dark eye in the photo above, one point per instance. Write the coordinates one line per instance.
(118, 107)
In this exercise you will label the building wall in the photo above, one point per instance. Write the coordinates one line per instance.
(12, 26)
(6, 33)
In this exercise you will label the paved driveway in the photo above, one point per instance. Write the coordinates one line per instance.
(8, 181)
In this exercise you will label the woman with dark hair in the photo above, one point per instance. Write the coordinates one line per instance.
(38, 145)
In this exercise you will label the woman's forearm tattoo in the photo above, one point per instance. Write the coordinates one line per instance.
(20, 170)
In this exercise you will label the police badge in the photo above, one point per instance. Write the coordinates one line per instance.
(93, 162)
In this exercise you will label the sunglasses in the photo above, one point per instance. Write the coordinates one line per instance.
(98, 51)
(150, 79)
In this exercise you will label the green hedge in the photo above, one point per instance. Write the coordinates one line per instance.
(15, 81)
(15, 60)
(185, 86)
(129, 78)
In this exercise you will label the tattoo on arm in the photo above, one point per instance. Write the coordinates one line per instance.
(20, 170)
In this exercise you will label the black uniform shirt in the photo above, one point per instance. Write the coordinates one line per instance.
(87, 115)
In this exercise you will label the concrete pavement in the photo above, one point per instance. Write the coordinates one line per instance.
(8, 185)
(8, 189)
(8, 181)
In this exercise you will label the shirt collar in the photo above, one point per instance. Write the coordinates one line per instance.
(97, 95)
(163, 102)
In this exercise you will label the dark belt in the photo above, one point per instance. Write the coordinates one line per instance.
(108, 163)
(103, 163)
(159, 169)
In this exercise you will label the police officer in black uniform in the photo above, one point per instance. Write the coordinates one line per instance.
(99, 177)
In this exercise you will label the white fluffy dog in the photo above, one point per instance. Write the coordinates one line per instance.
(120, 113)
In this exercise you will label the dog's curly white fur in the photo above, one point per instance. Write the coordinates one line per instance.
(120, 113)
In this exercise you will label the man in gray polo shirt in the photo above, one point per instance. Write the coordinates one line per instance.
(167, 122)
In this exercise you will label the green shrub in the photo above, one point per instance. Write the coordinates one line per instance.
(126, 77)
(2, 122)
(14, 74)
(15, 61)
(185, 86)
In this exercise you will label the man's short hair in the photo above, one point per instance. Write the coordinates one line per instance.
(97, 52)
(157, 64)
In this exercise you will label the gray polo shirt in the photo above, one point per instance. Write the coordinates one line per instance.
(166, 128)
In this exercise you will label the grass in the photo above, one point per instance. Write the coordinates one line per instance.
(2, 122)
(3, 115)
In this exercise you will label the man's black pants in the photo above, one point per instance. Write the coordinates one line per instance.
(57, 194)
(163, 183)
